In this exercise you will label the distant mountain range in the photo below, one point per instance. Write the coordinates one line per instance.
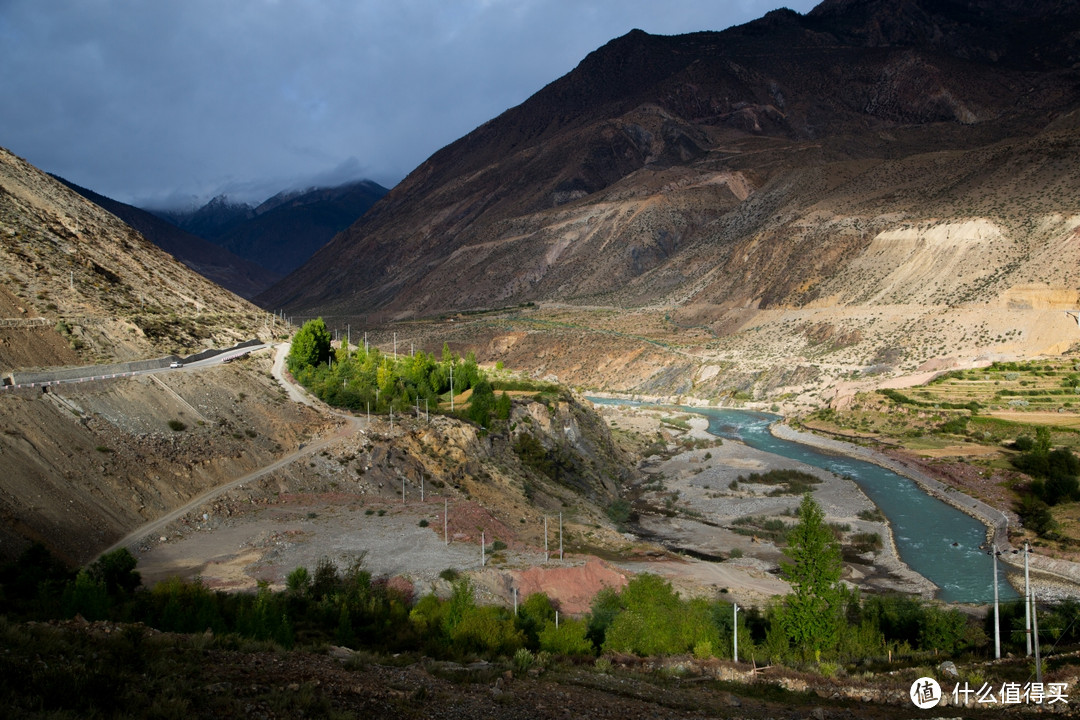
(283, 232)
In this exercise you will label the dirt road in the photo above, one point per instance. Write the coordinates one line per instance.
(351, 426)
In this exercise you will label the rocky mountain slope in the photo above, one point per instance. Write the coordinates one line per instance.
(876, 184)
(79, 286)
(87, 463)
(213, 262)
(84, 463)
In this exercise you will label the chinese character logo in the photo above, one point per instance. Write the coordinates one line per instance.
(925, 693)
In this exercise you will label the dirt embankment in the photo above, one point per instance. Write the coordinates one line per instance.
(86, 463)
(414, 500)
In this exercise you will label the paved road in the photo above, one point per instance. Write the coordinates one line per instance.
(352, 426)
(91, 372)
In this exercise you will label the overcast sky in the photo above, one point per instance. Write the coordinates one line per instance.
(158, 102)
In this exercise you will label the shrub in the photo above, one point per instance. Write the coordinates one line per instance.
(569, 638)
(177, 426)
(866, 542)
(523, 660)
(619, 512)
(116, 571)
(299, 580)
(655, 621)
(486, 630)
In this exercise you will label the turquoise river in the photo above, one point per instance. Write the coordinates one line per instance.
(935, 539)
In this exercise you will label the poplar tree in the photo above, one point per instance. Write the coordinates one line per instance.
(310, 346)
(812, 614)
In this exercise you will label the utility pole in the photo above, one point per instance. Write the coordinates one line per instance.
(560, 537)
(1027, 600)
(395, 344)
(483, 550)
(547, 555)
(997, 625)
(402, 489)
(1035, 631)
(735, 633)
(451, 386)
(445, 521)
(515, 602)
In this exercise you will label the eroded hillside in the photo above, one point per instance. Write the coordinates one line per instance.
(869, 188)
(86, 463)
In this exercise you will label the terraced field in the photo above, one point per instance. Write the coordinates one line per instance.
(964, 424)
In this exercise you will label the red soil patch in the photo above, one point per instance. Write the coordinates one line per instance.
(571, 588)
(468, 519)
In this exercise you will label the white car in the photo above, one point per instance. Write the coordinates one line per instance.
(176, 364)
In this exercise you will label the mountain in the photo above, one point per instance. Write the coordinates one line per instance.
(212, 220)
(213, 262)
(80, 286)
(283, 232)
(85, 463)
(914, 156)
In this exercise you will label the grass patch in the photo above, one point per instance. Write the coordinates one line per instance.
(791, 482)
(761, 527)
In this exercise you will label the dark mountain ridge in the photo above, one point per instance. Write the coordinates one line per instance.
(281, 233)
(719, 130)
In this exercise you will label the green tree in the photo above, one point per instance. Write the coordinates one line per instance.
(655, 621)
(569, 638)
(533, 615)
(503, 406)
(116, 571)
(87, 597)
(310, 346)
(812, 614)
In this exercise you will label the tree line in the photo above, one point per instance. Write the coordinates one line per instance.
(820, 621)
(368, 380)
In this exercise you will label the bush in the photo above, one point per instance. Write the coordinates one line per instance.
(298, 581)
(116, 572)
(486, 630)
(177, 426)
(655, 621)
(569, 638)
(523, 660)
(619, 512)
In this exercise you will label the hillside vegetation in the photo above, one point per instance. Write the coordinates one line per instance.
(1015, 423)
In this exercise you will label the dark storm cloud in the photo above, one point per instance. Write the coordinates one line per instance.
(166, 100)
